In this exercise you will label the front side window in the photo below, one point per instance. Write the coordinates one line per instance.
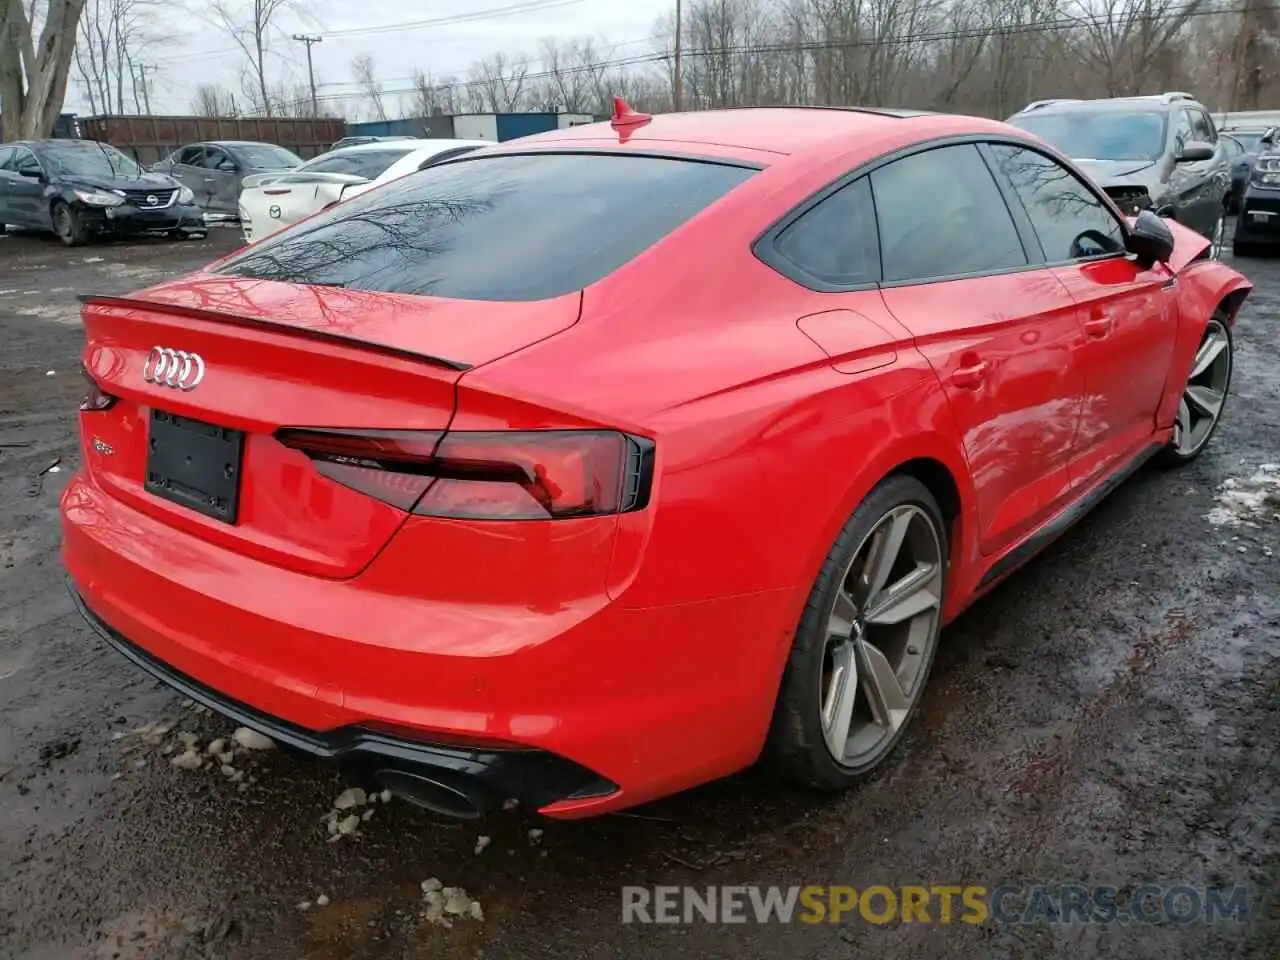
(1069, 218)
(504, 227)
(1202, 128)
(941, 214)
(836, 240)
(1100, 134)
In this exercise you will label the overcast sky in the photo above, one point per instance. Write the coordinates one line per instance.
(205, 54)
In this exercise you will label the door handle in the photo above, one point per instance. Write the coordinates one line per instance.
(971, 376)
(209, 180)
(1098, 325)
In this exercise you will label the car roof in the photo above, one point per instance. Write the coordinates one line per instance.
(1109, 104)
(748, 132)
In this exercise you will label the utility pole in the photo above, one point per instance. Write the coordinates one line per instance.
(143, 70)
(677, 85)
(310, 40)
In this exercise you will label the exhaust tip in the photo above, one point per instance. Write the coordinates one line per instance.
(433, 794)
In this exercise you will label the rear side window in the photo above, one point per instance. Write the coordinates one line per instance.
(835, 241)
(362, 163)
(942, 215)
(505, 227)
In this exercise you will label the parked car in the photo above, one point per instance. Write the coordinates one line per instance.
(214, 170)
(271, 202)
(598, 464)
(353, 141)
(1159, 153)
(1243, 147)
(1258, 217)
(81, 189)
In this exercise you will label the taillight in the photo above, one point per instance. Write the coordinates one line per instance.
(95, 398)
(538, 475)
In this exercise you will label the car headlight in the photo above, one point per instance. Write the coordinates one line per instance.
(1263, 178)
(99, 198)
(186, 196)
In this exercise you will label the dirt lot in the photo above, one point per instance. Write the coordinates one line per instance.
(1109, 716)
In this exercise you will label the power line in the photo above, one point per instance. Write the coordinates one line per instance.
(1052, 26)
(475, 16)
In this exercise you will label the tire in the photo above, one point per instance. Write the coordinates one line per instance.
(798, 746)
(68, 225)
(1193, 425)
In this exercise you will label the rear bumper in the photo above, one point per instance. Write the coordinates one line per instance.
(534, 777)
(576, 707)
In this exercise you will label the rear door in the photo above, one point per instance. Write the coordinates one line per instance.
(6, 174)
(1128, 314)
(1000, 331)
(188, 169)
(223, 173)
(26, 201)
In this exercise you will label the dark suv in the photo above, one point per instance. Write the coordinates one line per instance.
(1159, 152)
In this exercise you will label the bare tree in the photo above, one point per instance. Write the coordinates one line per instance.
(252, 25)
(34, 73)
(109, 42)
(213, 101)
(365, 74)
(431, 98)
(498, 81)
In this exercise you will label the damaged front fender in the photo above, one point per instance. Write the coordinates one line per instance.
(1201, 287)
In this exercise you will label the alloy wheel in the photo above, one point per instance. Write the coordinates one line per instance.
(882, 628)
(1206, 391)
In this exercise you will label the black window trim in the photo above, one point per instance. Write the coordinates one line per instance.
(765, 249)
(446, 155)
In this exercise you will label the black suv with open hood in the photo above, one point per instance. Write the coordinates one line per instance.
(1158, 152)
(81, 188)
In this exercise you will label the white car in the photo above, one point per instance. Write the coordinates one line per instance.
(272, 201)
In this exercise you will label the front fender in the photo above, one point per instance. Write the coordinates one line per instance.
(1201, 288)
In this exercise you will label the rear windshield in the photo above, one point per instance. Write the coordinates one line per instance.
(513, 227)
(361, 163)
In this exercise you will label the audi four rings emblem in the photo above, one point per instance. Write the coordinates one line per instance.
(173, 368)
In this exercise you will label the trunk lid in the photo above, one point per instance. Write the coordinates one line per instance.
(251, 357)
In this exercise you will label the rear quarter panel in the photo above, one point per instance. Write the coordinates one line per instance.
(764, 447)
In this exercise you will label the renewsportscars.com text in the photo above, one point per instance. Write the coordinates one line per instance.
(941, 904)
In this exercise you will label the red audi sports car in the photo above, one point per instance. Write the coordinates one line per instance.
(588, 467)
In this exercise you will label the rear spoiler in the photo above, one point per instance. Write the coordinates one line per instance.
(260, 323)
(296, 176)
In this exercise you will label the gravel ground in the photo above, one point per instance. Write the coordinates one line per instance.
(1110, 715)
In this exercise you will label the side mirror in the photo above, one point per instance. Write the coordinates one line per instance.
(1195, 151)
(1150, 239)
(228, 166)
(32, 173)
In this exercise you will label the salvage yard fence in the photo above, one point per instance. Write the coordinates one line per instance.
(151, 139)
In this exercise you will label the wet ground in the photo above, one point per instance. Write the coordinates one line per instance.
(1110, 716)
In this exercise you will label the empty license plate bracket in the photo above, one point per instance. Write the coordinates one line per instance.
(195, 464)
